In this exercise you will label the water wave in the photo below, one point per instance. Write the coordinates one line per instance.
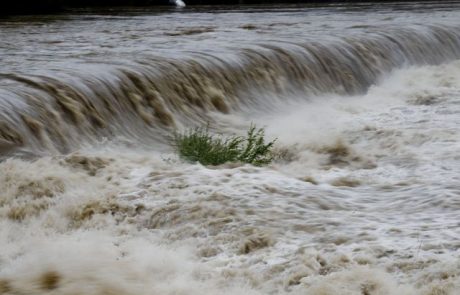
(42, 114)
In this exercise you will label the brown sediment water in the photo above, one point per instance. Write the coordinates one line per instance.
(361, 199)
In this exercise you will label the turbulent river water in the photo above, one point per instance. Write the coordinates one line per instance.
(364, 101)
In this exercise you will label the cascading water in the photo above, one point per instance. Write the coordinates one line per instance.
(42, 112)
(362, 199)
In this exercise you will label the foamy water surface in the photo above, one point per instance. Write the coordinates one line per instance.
(363, 199)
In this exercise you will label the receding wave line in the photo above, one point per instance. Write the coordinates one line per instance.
(41, 114)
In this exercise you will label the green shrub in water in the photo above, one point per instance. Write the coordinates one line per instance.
(198, 145)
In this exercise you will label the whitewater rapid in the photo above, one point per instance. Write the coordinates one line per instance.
(363, 197)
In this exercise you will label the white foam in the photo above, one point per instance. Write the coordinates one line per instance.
(179, 3)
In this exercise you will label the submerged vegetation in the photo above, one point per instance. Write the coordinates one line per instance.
(199, 145)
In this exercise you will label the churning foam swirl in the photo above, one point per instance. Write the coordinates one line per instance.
(363, 199)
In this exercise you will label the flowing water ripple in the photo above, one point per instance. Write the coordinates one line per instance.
(363, 199)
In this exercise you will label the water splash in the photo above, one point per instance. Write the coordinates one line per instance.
(179, 3)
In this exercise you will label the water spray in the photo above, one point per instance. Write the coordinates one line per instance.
(178, 3)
